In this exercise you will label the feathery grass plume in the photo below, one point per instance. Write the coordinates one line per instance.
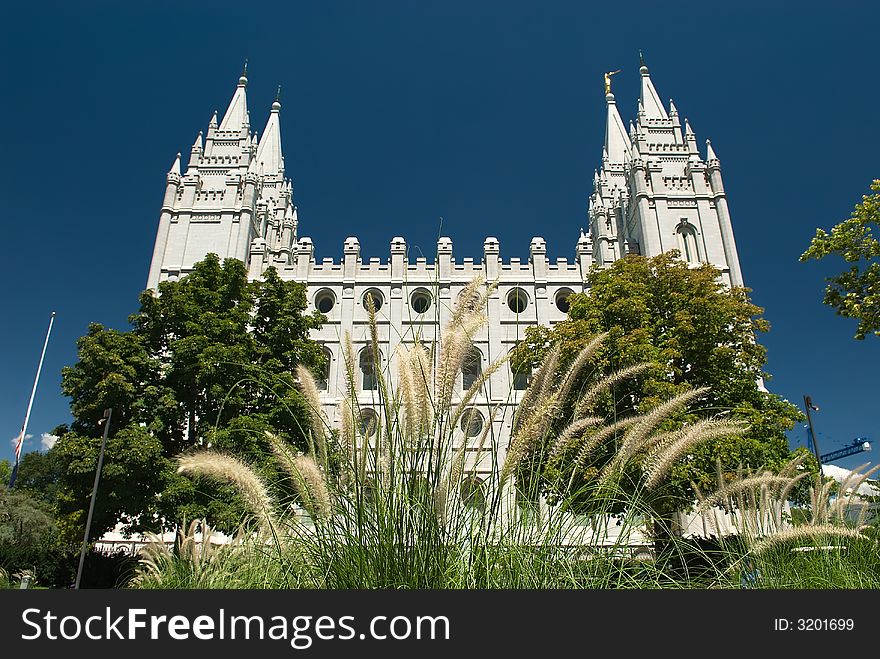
(848, 492)
(406, 392)
(311, 485)
(453, 476)
(660, 461)
(599, 437)
(791, 467)
(528, 434)
(806, 532)
(786, 490)
(571, 432)
(819, 500)
(475, 388)
(635, 438)
(579, 362)
(454, 349)
(606, 383)
(347, 436)
(219, 466)
(535, 394)
(739, 486)
(348, 361)
(467, 317)
(308, 479)
(309, 390)
(471, 300)
(423, 377)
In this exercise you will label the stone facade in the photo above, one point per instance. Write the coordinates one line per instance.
(654, 192)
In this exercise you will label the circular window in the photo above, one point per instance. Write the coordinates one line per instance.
(471, 422)
(325, 300)
(420, 300)
(368, 422)
(472, 494)
(517, 300)
(562, 296)
(377, 299)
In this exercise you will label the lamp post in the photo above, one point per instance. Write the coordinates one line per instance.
(82, 555)
(808, 405)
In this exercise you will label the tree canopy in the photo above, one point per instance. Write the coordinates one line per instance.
(696, 332)
(209, 362)
(855, 292)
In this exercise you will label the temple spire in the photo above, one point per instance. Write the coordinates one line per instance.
(710, 152)
(649, 98)
(175, 168)
(617, 144)
(269, 150)
(237, 113)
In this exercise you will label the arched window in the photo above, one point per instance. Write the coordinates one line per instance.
(687, 242)
(368, 422)
(323, 381)
(368, 364)
(519, 374)
(471, 368)
(472, 494)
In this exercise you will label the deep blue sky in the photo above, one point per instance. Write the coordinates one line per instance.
(489, 115)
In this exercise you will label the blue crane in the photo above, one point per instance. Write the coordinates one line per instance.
(859, 445)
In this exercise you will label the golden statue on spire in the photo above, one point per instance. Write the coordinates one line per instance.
(608, 75)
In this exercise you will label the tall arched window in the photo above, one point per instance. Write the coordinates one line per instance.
(323, 381)
(471, 368)
(368, 364)
(687, 242)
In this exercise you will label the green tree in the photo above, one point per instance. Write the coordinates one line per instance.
(854, 293)
(24, 520)
(209, 361)
(696, 332)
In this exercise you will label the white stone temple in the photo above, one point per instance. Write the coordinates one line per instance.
(654, 191)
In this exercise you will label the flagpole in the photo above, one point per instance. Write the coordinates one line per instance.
(27, 415)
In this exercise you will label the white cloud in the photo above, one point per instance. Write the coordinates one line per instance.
(14, 440)
(48, 440)
(839, 474)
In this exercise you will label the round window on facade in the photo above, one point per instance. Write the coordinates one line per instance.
(472, 493)
(517, 300)
(376, 295)
(471, 422)
(368, 422)
(420, 300)
(562, 296)
(325, 300)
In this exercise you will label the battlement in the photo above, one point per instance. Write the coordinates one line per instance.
(445, 266)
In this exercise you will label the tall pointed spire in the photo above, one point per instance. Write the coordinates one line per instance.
(175, 168)
(617, 144)
(649, 98)
(237, 113)
(269, 151)
(710, 152)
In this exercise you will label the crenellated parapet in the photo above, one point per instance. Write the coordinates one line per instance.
(305, 267)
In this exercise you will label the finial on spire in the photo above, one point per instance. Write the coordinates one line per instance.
(242, 81)
(643, 68)
(276, 104)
